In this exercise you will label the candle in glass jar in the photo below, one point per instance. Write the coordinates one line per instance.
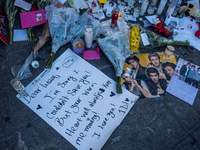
(115, 14)
(88, 36)
(161, 6)
(169, 50)
(144, 7)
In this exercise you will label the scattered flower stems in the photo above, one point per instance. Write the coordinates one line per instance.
(31, 35)
(11, 11)
(118, 85)
(49, 61)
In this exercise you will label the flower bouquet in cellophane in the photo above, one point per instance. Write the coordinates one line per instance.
(142, 39)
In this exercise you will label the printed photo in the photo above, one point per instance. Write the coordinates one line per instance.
(187, 72)
(39, 17)
(148, 75)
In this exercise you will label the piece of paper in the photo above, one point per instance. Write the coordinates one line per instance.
(33, 18)
(23, 4)
(70, 99)
(145, 39)
(99, 15)
(182, 90)
(130, 17)
(184, 35)
(154, 87)
(151, 18)
(20, 35)
(92, 54)
(185, 81)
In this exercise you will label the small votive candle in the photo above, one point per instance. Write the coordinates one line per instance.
(169, 50)
(78, 46)
(88, 36)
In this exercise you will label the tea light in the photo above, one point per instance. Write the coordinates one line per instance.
(78, 46)
(169, 50)
(35, 64)
(88, 36)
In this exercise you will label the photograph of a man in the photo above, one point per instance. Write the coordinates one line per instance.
(184, 71)
(156, 85)
(190, 75)
(154, 58)
(133, 86)
(196, 78)
(139, 71)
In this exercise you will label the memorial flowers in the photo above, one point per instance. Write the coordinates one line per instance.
(116, 48)
(11, 11)
(142, 39)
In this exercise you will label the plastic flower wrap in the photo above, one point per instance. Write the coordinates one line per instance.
(11, 11)
(116, 48)
(142, 39)
(66, 24)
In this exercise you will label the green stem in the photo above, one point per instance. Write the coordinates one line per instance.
(11, 35)
(118, 85)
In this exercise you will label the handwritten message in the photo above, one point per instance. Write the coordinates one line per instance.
(78, 101)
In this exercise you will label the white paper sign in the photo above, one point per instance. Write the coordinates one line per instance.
(145, 39)
(182, 90)
(78, 101)
(23, 4)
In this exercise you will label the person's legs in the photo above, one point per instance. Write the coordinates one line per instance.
(186, 79)
(195, 83)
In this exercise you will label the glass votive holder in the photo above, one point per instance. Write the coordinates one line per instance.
(19, 87)
(169, 50)
(78, 46)
(172, 25)
(136, 12)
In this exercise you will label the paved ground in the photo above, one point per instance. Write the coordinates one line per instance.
(150, 125)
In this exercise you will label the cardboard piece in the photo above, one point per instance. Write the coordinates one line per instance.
(70, 99)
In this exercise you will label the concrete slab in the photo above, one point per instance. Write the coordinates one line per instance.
(184, 111)
(149, 125)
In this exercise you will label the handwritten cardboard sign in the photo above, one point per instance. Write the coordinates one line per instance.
(78, 101)
(32, 18)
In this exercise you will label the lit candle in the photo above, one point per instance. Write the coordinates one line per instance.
(161, 6)
(169, 50)
(88, 36)
(78, 46)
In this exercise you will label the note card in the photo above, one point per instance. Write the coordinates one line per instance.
(23, 4)
(92, 54)
(33, 18)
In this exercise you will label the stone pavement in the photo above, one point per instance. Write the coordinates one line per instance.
(151, 124)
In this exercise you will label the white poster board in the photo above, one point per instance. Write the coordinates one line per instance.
(78, 101)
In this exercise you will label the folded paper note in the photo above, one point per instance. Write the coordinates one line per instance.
(23, 4)
(33, 18)
(20, 35)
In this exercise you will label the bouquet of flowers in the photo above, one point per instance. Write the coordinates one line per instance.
(141, 40)
(116, 48)
(11, 11)
(65, 25)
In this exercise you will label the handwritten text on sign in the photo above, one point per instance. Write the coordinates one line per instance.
(78, 101)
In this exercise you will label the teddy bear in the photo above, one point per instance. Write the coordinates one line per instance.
(192, 11)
